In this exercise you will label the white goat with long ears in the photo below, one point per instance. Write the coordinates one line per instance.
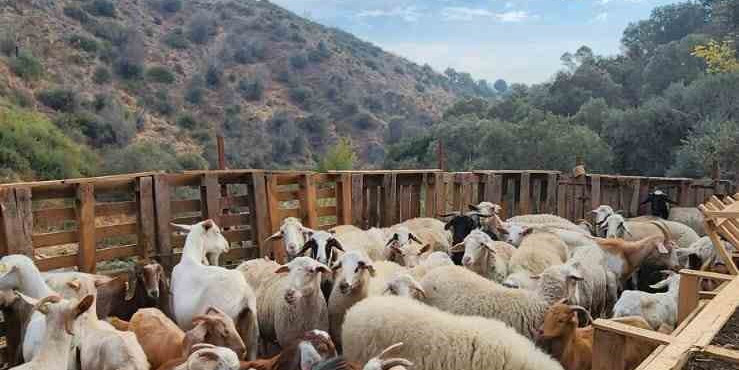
(600, 217)
(196, 287)
(60, 319)
(656, 308)
(293, 235)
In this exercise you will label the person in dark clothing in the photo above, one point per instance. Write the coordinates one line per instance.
(660, 204)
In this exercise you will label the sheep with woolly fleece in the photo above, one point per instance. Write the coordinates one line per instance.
(370, 242)
(544, 219)
(462, 292)
(311, 348)
(403, 247)
(485, 256)
(429, 231)
(689, 216)
(437, 340)
(656, 308)
(61, 317)
(536, 251)
(404, 285)
(356, 278)
(293, 235)
(584, 279)
(291, 304)
(434, 260)
(618, 227)
(195, 287)
(208, 357)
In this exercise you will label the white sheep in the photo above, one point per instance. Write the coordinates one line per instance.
(656, 308)
(61, 315)
(705, 251)
(403, 247)
(434, 260)
(196, 287)
(370, 242)
(437, 340)
(321, 245)
(258, 271)
(292, 304)
(536, 251)
(209, 357)
(356, 278)
(293, 235)
(404, 285)
(584, 279)
(429, 231)
(543, 220)
(689, 216)
(485, 256)
(460, 291)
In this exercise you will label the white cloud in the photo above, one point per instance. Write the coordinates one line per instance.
(409, 13)
(509, 5)
(600, 17)
(460, 13)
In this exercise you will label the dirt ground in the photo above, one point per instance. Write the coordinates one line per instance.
(727, 337)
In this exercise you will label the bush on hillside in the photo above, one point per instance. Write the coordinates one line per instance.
(27, 66)
(340, 157)
(101, 8)
(101, 76)
(298, 61)
(7, 42)
(300, 94)
(201, 28)
(250, 52)
(170, 6)
(160, 74)
(195, 90)
(83, 43)
(62, 100)
(251, 88)
(213, 75)
(140, 157)
(188, 122)
(192, 161)
(76, 13)
(176, 39)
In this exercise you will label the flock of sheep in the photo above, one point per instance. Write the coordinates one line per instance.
(474, 293)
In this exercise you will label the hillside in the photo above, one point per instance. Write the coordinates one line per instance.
(153, 81)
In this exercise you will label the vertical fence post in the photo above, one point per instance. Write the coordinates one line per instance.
(440, 193)
(274, 216)
(344, 199)
(687, 296)
(162, 207)
(635, 199)
(85, 209)
(608, 350)
(146, 216)
(552, 185)
(684, 198)
(562, 197)
(210, 192)
(259, 209)
(390, 186)
(308, 200)
(15, 205)
(524, 206)
(358, 200)
(594, 191)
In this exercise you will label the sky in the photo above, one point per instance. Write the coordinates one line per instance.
(516, 40)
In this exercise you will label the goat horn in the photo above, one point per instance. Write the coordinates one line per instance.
(389, 349)
(585, 311)
(449, 214)
(274, 236)
(413, 237)
(392, 362)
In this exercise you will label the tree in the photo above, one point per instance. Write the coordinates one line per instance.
(501, 85)
(711, 141)
(340, 157)
(720, 57)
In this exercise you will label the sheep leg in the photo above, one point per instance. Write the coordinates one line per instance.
(246, 325)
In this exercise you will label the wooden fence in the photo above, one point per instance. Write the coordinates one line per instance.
(82, 222)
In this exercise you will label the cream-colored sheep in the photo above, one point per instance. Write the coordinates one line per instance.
(258, 271)
(547, 220)
(291, 304)
(356, 278)
(460, 291)
(689, 216)
(370, 242)
(537, 250)
(485, 256)
(681, 234)
(437, 340)
(434, 260)
(430, 231)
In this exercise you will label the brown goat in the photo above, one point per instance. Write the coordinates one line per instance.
(573, 346)
(317, 342)
(375, 363)
(148, 286)
(16, 313)
(164, 342)
(632, 254)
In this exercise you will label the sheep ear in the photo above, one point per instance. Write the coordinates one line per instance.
(459, 247)
(84, 305)
(527, 230)
(207, 224)
(425, 249)
(181, 227)
(489, 246)
(282, 269)
(414, 238)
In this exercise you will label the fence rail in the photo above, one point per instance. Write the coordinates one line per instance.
(82, 222)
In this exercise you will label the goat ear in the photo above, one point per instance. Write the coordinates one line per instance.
(27, 299)
(133, 280)
(459, 247)
(334, 243)
(84, 304)
(425, 249)
(322, 268)
(74, 284)
(207, 224)
(489, 246)
(336, 266)
(448, 225)
(181, 226)
(277, 235)
(527, 230)
(282, 269)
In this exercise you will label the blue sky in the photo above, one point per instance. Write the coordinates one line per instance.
(517, 40)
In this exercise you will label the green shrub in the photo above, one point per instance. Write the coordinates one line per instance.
(251, 89)
(195, 90)
(201, 28)
(30, 145)
(300, 94)
(111, 125)
(160, 103)
(160, 74)
(62, 100)
(101, 76)
(192, 161)
(250, 52)
(188, 122)
(170, 6)
(213, 75)
(109, 30)
(76, 13)
(320, 53)
(340, 157)
(26, 66)
(176, 39)
(101, 8)
(139, 157)
(7, 42)
(298, 61)
(83, 43)
(21, 98)
(128, 68)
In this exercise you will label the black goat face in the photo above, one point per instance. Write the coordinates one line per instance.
(461, 226)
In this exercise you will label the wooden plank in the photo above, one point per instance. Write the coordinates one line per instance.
(323, 193)
(579, 199)
(722, 353)
(17, 217)
(635, 199)
(85, 208)
(234, 236)
(608, 350)
(235, 201)
(236, 219)
(344, 199)
(54, 216)
(684, 197)
(290, 212)
(146, 216)
(374, 218)
(358, 200)
(429, 196)
(288, 195)
(210, 193)
(116, 208)
(687, 296)
(629, 331)
(552, 186)
(162, 212)
(439, 193)
(391, 200)
(54, 263)
(115, 230)
(309, 203)
(415, 201)
(116, 252)
(404, 203)
(524, 205)
(536, 204)
(562, 199)
(288, 179)
(51, 239)
(185, 221)
(326, 211)
(182, 206)
(594, 191)
(706, 274)
(273, 207)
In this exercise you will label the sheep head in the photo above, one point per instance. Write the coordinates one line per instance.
(404, 248)
(461, 226)
(355, 269)
(602, 213)
(477, 246)
(60, 313)
(559, 281)
(293, 234)
(210, 357)
(216, 328)
(513, 233)
(616, 226)
(404, 285)
(304, 277)
(382, 363)
(321, 245)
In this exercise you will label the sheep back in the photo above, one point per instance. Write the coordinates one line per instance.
(437, 340)
(537, 252)
(689, 216)
(457, 290)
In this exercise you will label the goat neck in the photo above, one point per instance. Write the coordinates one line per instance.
(194, 248)
(30, 281)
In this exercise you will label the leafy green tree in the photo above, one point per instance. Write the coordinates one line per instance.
(593, 114)
(27, 66)
(140, 157)
(340, 157)
(709, 142)
(501, 85)
(720, 57)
